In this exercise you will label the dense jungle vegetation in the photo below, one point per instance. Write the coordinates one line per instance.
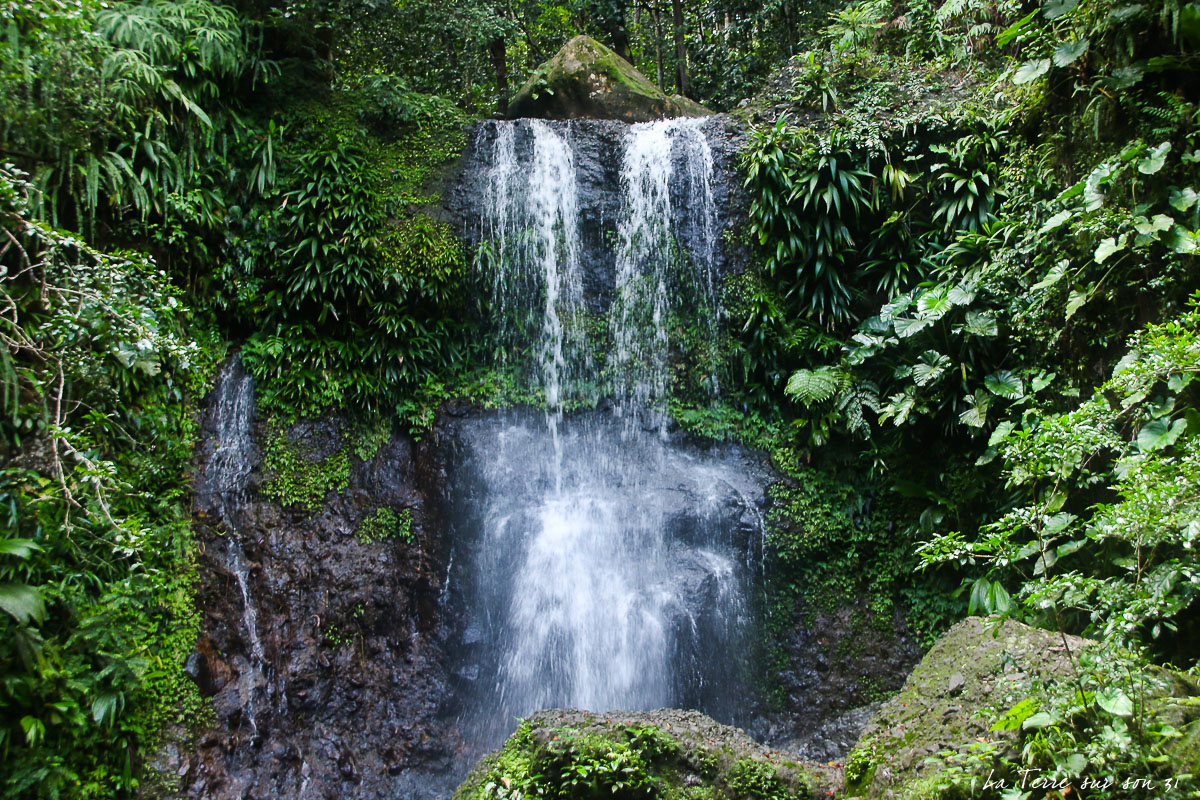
(969, 331)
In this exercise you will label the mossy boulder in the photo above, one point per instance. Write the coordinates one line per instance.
(585, 79)
(668, 754)
(978, 670)
(961, 709)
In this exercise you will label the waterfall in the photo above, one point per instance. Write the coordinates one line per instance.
(599, 562)
(220, 488)
(648, 257)
(532, 229)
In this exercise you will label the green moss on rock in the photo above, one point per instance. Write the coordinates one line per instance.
(979, 669)
(587, 79)
(668, 754)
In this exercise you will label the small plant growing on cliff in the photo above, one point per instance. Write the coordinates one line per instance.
(756, 779)
(299, 479)
(383, 524)
(370, 437)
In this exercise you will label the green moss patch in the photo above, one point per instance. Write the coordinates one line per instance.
(587, 79)
(665, 754)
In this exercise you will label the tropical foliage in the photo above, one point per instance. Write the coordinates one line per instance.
(967, 334)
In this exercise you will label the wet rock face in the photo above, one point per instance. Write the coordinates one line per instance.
(319, 650)
(598, 149)
(839, 666)
(839, 661)
(585, 79)
(336, 667)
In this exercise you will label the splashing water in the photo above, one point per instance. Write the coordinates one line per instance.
(597, 564)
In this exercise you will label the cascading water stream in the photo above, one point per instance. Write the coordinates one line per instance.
(220, 488)
(534, 245)
(598, 563)
(648, 257)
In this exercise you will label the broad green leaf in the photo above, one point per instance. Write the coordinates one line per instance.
(1014, 30)
(1177, 382)
(1126, 77)
(906, 327)
(1126, 12)
(1002, 430)
(1093, 192)
(1003, 383)
(1157, 434)
(1075, 763)
(1155, 159)
(1059, 8)
(899, 409)
(35, 730)
(1108, 247)
(1044, 561)
(1183, 199)
(1181, 240)
(21, 548)
(961, 295)
(978, 598)
(1058, 522)
(1043, 380)
(1115, 702)
(1055, 274)
(977, 407)
(1013, 718)
(1078, 296)
(1070, 547)
(1150, 227)
(1054, 222)
(931, 367)
(1068, 53)
(1031, 71)
(1039, 720)
(106, 707)
(23, 602)
(999, 600)
(933, 304)
(981, 323)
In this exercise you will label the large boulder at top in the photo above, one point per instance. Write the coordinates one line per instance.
(585, 79)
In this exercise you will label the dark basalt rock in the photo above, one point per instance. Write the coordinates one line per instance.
(585, 79)
(343, 701)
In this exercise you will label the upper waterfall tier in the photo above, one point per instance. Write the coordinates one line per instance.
(598, 149)
(592, 239)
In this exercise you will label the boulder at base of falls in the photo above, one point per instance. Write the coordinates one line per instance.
(978, 671)
(585, 79)
(629, 754)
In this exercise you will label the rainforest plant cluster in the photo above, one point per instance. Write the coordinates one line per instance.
(968, 334)
(977, 282)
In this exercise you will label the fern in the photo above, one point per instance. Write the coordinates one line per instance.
(812, 386)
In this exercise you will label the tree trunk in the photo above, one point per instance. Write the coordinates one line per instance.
(658, 59)
(499, 52)
(681, 71)
(636, 30)
(620, 38)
